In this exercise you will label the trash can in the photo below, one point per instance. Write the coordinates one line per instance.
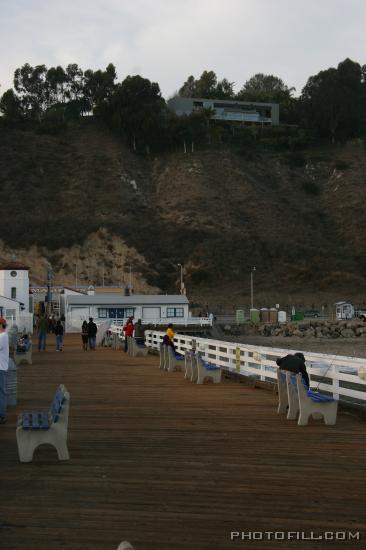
(11, 384)
(264, 313)
(273, 316)
(254, 315)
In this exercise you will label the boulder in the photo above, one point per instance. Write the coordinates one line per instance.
(347, 333)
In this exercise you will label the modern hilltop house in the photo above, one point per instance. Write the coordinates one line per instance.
(249, 113)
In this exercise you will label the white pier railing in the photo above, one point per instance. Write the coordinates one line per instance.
(341, 376)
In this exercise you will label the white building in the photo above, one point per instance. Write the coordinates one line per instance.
(154, 309)
(14, 295)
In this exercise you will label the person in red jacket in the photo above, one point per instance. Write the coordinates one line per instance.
(128, 330)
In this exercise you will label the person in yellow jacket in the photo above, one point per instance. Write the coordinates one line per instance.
(170, 332)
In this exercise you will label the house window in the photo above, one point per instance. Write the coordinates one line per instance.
(175, 312)
(13, 293)
(102, 313)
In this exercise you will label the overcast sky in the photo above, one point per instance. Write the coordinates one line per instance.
(167, 40)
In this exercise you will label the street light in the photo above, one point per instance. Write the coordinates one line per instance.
(251, 287)
(181, 278)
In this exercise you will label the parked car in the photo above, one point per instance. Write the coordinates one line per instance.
(312, 313)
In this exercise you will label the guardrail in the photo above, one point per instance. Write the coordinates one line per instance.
(341, 376)
(176, 321)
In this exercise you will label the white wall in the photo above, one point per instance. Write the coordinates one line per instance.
(20, 281)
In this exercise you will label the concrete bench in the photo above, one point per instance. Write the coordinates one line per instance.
(207, 370)
(315, 404)
(23, 356)
(175, 361)
(305, 402)
(137, 350)
(163, 356)
(282, 392)
(38, 427)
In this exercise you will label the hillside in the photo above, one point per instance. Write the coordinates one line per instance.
(83, 199)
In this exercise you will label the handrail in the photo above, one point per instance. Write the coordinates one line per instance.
(339, 375)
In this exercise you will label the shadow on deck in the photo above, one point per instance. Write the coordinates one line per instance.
(169, 465)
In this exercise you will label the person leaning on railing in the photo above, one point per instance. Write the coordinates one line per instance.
(170, 332)
(296, 364)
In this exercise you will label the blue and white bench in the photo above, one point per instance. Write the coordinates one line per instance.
(207, 370)
(175, 361)
(163, 356)
(315, 404)
(137, 349)
(282, 392)
(38, 427)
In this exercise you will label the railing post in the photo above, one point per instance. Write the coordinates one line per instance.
(335, 381)
(263, 367)
(246, 357)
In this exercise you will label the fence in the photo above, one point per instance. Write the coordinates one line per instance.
(341, 376)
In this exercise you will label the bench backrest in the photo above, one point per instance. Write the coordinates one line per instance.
(57, 403)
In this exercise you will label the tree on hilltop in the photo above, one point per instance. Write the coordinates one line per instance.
(334, 101)
(207, 86)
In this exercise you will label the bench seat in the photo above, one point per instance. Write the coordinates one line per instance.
(207, 370)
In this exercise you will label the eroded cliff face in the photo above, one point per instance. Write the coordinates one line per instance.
(82, 201)
(100, 258)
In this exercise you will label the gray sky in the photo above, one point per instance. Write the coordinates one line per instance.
(167, 40)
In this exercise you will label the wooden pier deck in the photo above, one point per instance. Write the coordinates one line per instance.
(169, 465)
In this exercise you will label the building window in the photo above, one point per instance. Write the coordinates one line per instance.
(115, 312)
(175, 312)
(13, 293)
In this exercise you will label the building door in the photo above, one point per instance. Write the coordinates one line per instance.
(151, 314)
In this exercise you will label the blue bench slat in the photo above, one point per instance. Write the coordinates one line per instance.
(179, 356)
(210, 366)
(35, 421)
(318, 397)
(26, 421)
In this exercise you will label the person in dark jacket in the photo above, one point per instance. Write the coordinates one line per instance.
(84, 335)
(139, 333)
(59, 333)
(92, 333)
(167, 341)
(295, 363)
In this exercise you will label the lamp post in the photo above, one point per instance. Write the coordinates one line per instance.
(181, 278)
(251, 288)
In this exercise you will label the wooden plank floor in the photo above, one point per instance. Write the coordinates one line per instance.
(169, 465)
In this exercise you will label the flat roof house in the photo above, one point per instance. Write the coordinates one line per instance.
(154, 309)
(249, 113)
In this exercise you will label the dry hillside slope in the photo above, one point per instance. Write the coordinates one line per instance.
(83, 197)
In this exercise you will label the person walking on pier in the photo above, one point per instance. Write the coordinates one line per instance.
(59, 333)
(84, 335)
(42, 333)
(92, 333)
(4, 365)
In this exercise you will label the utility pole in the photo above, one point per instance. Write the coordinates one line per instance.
(252, 288)
(181, 279)
(49, 287)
